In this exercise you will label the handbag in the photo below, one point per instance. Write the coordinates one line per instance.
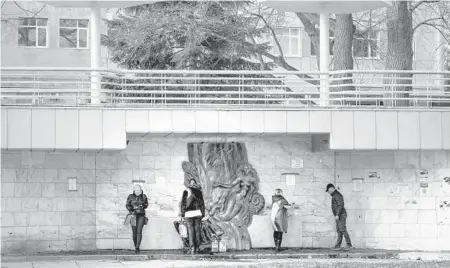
(145, 220)
(182, 228)
(130, 219)
(193, 213)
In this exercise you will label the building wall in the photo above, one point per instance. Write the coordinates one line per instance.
(51, 56)
(39, 213)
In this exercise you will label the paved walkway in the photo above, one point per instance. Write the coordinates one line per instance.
(284, 263)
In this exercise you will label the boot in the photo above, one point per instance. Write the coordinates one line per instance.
(137, 250)
(193, 250)
(275, 241)
(277, 245)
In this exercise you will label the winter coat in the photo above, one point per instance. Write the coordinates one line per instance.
(136, 204)
(192, 202)
(279, 217)
(337, 203)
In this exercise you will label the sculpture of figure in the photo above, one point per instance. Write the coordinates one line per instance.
(230, 190)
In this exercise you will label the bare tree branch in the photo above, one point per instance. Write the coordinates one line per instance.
(418, 4)
(425, 22)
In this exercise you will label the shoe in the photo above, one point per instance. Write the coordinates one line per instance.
(137, 251)
(336, 248)
(348, 248)
(193, 251)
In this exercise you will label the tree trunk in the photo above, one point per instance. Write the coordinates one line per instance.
(313, 34)
(342, 51)
(399, 52)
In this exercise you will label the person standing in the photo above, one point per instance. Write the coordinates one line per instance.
(193, 210)
(340, 215)
(136, 204)
(279, 217)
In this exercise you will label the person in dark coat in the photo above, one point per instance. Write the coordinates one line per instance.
(193, 210)
(136, 204)
(340, 214)
(279, 217)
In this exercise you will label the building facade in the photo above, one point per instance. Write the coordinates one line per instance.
(66, 172)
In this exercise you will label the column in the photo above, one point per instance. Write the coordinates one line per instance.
(95, 54)
(324, 58)
(440, 59)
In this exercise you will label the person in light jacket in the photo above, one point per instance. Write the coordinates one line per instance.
(193, 210)
(136, 204)
(279, 217)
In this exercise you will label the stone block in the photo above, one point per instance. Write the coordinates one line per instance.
(107, 231)
(44, 219)
(383, 160)
(104, 243)
(22, 175)
(407, 216)
(106, 190)
(146, 162)
(33, 190)
(83, 232)
(7, 219)
(360, 160)
(343, 160)
(34, 232)
(71, 218)
(33, 159)
(122, 176)
(60, 204)
(389, 216)
(372, 216)
(428, 230)
(108, 203)
(65, 232)
(427, 203)
(391, 244)
(49, 232)
(407, 159)
(81, 245)
(20, 219)
(61, 189)
(8, 175)
(412, 230)
(75, 204)
(106, 162)
(323, 242)
(374, 243)
(307, 242)
(150, 148)
(427, 216)
(89, 204)
(36, 175)
(12, 204)
(45, 204)
(51, 175)
(48, 189)
(163, 162)
(377, 202)
(395, 202)
(127, 162)
(282, 161)
(11, 160)
(343, 175)
(63, 161)
(89, 161)
(88, 190)
(7, 189)
(397, 230)
(123, 244)
(88, 218)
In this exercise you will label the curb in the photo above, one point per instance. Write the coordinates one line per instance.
(218, 256)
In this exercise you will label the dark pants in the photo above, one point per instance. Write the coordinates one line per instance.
(341, 228)
(194, 229)
(278, 238)
(137, 230)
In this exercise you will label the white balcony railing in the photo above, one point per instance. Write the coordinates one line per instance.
(162, 88)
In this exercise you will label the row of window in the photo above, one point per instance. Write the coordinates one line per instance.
(290, 42)
(73, 33)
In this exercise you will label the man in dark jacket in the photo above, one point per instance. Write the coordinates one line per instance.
(193, 210)
(340, 214)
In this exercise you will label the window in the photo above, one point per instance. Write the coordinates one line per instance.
(313, 50)
(32, 32)
(368, 45)
(73, 33)
(290, 42)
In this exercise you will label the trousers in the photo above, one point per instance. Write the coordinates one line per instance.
(341, 228)
(137, 230)
(194, 231)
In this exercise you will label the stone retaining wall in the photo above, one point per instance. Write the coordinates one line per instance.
(390, 212)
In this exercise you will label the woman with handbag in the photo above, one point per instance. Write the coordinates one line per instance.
(279, 217)
(193, 210)
(136, 204)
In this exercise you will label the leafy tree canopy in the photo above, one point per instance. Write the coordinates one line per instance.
(211, 35)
